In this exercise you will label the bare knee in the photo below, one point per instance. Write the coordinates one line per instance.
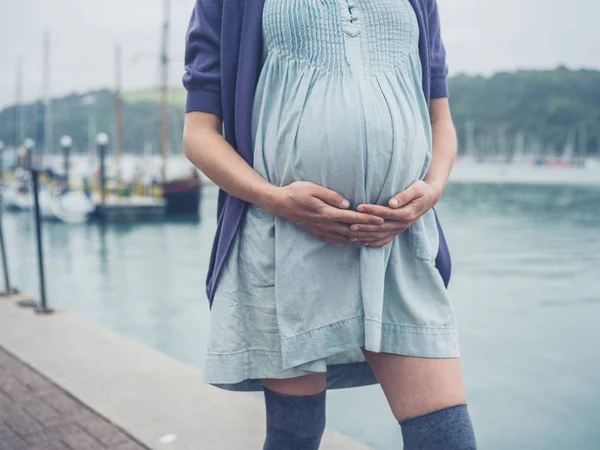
(416, 386)
(306, 385)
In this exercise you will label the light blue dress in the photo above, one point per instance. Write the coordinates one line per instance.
(339, 103)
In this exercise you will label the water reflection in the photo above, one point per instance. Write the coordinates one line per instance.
(525, 287)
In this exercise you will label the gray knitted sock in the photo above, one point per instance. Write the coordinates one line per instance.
(294, 422)
(447, 429)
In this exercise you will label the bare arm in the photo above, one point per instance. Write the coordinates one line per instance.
(444, 145)
(211, 153)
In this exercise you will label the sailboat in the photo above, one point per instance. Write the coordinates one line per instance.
(17, 196)
(181, 194)
(56, 201)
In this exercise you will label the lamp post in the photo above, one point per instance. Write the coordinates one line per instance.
(102, 144)
(8, 289)
(29, 145)
(65, 144)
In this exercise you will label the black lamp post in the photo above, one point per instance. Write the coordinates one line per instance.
(65, 144)
(29, 145)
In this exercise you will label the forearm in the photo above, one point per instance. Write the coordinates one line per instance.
(444, 146)
(206, 149)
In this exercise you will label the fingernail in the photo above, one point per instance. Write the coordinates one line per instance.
(345, 203)
(355, 228)
(394, 202)
(353, 240)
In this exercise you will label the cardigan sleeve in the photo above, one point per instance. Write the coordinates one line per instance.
(202, 78)
(437, 54)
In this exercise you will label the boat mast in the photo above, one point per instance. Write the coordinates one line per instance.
(43, 127)
(470, 144)
(164, 89)
(118, 140)
(583, 138)
(18, 134)
(47, 100)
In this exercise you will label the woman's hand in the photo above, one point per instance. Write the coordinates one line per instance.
(403, 210)
(422, 195)
(320, 211)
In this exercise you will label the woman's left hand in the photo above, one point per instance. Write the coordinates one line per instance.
(404, 208)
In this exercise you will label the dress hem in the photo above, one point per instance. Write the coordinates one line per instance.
(307, 352)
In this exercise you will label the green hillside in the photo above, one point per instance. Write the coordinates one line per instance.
(547, 107)
(544, 108)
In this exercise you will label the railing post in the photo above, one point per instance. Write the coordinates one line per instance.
(101, 144)
(35, 181)
(65, 143)
(8, 289)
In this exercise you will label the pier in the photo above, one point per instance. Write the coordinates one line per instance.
(69, 384)
(132, 209)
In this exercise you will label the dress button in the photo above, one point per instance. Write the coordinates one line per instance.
(350, 17)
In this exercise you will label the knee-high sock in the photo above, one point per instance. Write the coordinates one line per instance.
(447, 429)
(294, 422)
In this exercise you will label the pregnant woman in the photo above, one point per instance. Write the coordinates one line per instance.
(326, 125)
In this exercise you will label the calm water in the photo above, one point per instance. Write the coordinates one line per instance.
(526, 287)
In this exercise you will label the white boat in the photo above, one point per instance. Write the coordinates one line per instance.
(17, 199)
(73, 207)
(17, 196)
(68, 207)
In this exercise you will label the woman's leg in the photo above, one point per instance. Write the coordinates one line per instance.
(427, 398)
(295, 412)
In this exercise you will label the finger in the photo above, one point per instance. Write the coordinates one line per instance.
(331, 237)
(383, 212)
(388, 225)
(378, 243)
(414, 191)
(339, 228)
(336, 238)
(373, 237)
(353, 217)
(354, 236)
(331, 197)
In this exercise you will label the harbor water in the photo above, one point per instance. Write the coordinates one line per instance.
(526, 288)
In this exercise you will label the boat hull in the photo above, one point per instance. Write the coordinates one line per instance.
(183, 197)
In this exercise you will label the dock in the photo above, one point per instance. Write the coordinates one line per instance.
(131, 209)
(69, 384)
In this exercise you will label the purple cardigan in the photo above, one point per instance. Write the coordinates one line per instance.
(222, 66)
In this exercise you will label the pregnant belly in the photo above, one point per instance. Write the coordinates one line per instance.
(354, 142)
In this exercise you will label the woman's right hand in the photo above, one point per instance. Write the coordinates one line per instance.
(319, 210)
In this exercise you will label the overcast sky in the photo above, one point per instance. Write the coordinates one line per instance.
(482, 36)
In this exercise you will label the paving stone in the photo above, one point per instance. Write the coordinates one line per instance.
(21, 422)
(35, 414)
(23, 373)
(35, 407)
(9, 439)
(54, 445)
(55, 433)
(102, 430)
(128, 446)
(83, 441)
(5, 405)
(72, 418)
(61, 402)
(14, 389)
